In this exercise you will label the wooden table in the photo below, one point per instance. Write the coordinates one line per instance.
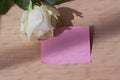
(20, 58)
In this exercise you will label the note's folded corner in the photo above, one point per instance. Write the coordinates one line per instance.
(70, 45)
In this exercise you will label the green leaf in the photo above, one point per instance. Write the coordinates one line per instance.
(59, 1)
(24, 4)
(53, 2)
(5, 5)
(36, 2)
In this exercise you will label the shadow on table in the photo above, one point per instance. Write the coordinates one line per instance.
(67, 15)
(19, 54)
(92, 28)
(106, 31)
(109, 29)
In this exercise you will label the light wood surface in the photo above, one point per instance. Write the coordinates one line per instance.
(20, 58)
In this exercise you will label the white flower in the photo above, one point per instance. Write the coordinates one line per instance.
(40, 22)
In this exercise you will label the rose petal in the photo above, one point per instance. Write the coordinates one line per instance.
(34, 20)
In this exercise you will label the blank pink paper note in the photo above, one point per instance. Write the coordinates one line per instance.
(70, 45)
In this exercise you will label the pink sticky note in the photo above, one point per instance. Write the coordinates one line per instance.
(69, 45)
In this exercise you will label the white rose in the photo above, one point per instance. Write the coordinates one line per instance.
(40, 22)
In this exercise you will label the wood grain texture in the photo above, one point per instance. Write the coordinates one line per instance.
(20, 58)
